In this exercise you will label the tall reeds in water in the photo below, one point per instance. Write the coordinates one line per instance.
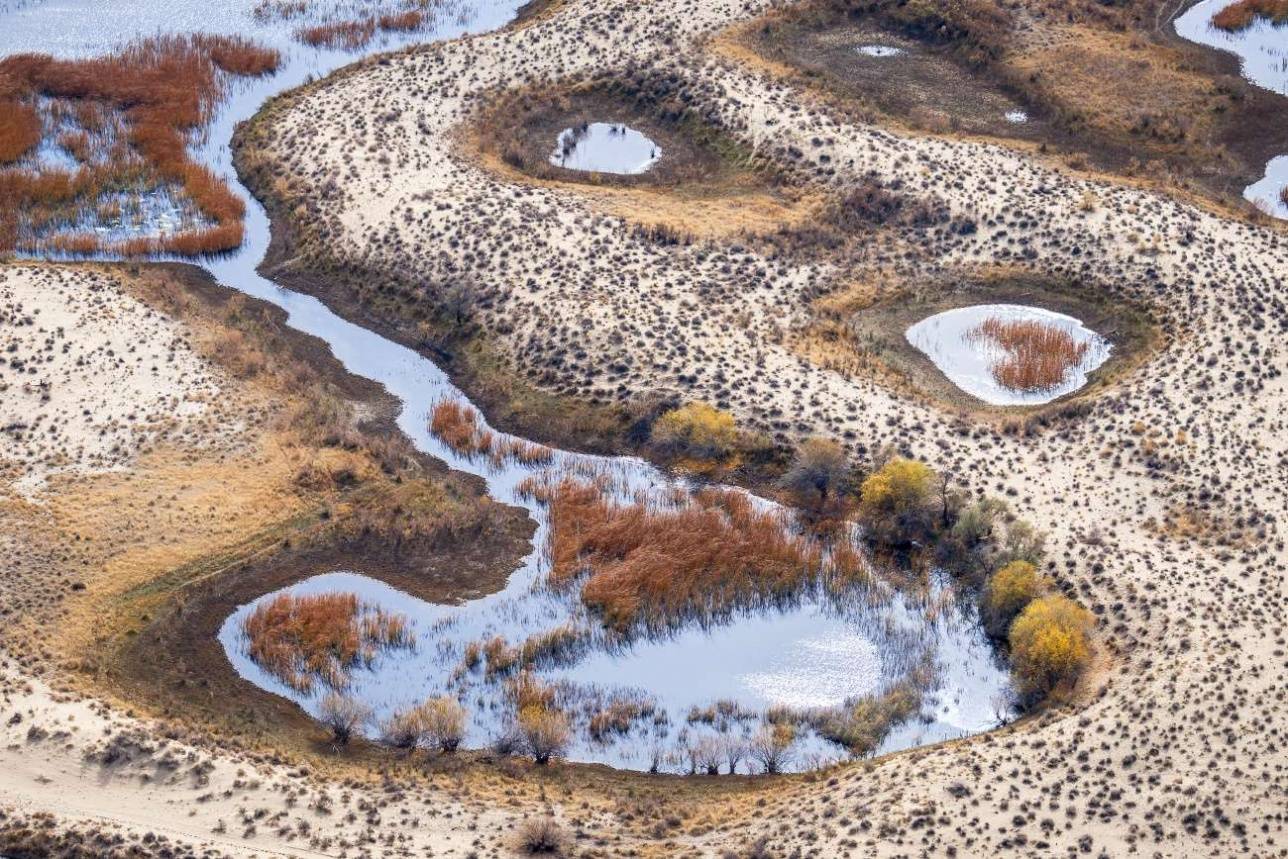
(164, 89)
(313, 638)
(1242, 14)
(644, 565)
(1037, 357)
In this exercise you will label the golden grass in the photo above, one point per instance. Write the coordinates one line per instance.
(1038, 354)
(1242, 14)
(303, 640)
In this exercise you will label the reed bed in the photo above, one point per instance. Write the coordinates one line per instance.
(651, 567)
(1242, 14)
(353, 34)
(349, 35)
(163, 89)
(303, 640)
(456, 424)
(1038, 354)
(21, 130)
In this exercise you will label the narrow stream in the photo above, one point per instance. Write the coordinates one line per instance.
(817, 652)
(1262, 50)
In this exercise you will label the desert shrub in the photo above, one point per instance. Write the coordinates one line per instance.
(819, 472)
(896, 502)
(771, 747)
(443, 720)
(1009, 590)
(403, 729)
(545, 731)
(697, 431)
(541, 836)
(343, 715)
(1050, 645)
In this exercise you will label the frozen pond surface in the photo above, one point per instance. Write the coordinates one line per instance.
(967, 361)
(1263, 56)
(604, 147)
(879, 50)
(816, 651)
(1017, 117)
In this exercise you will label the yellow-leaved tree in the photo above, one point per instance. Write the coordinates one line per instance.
(896, 501)
(1050, 645)
(1009, 590)
(697, 430)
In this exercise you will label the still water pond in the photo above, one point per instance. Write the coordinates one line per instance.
(604, 147)
(950, 341)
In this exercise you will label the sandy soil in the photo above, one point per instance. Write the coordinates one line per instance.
(1161, 503)
(91, 376)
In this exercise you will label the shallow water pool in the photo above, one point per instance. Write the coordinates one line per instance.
(604, 147)
(967, 361)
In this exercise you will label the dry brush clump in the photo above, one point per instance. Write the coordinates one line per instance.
(1037, 357)
(162, 89)
(311, 638)
(1242, 14)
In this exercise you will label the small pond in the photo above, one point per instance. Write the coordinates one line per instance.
(604, 147)
(1262, 50)
(879, 50)
(970, 358)
(1017, 117)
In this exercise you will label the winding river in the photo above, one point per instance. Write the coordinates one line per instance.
(818, 652)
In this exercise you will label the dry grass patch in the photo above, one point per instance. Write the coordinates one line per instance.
(313, 638)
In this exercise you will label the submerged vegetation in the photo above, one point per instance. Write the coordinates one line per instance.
(303, 640)
(131, 117)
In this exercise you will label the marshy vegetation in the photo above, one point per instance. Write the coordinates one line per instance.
(319, 638)
(1037, 355)
(126, 121)
(1242, 14)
